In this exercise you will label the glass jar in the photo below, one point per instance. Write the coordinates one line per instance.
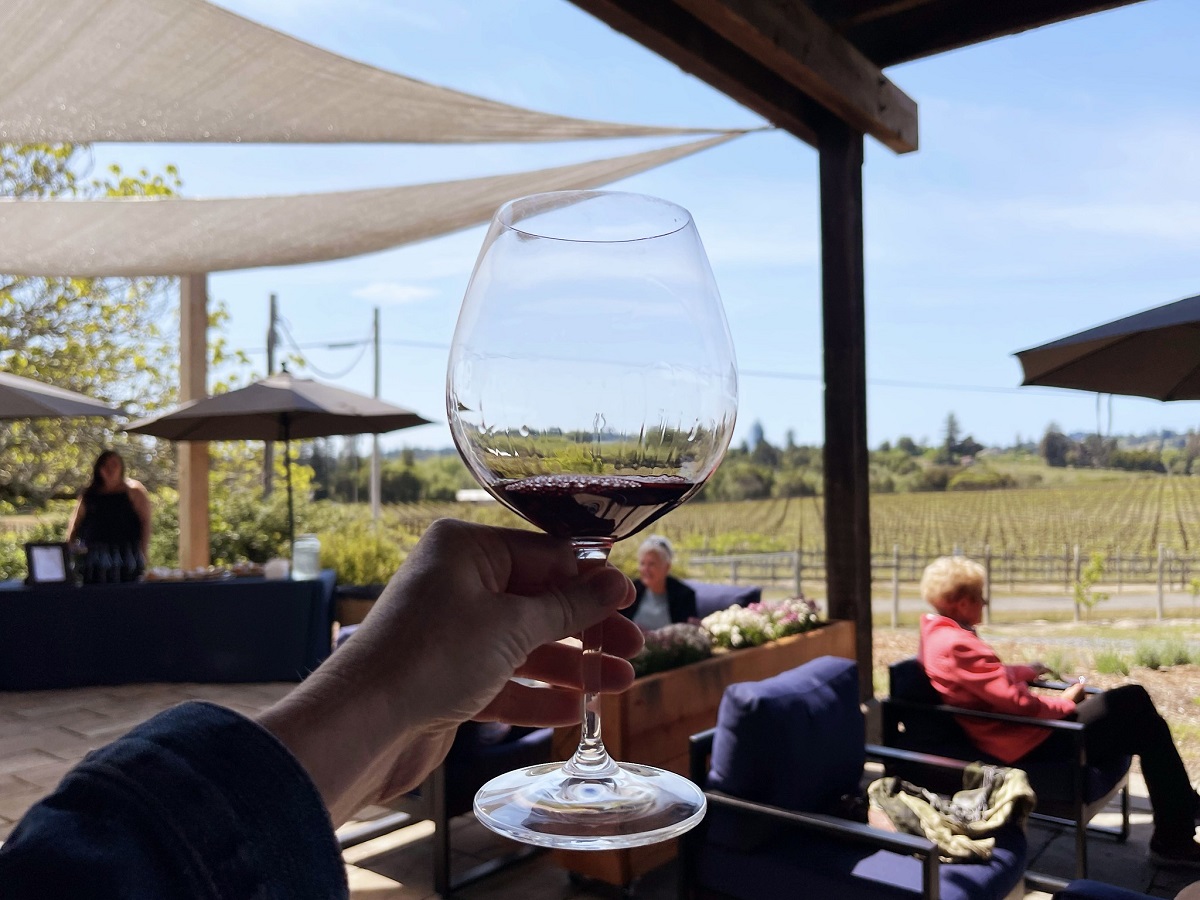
(306, 557)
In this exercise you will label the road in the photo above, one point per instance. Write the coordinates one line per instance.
(1139, 603)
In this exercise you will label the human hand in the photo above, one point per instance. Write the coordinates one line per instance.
(1076, 692)
(471, 607)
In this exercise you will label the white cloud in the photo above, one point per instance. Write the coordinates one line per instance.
(393, 292)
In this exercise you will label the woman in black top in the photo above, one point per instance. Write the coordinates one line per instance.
(661, 599)
(113, 513)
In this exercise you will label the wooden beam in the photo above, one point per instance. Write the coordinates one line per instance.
(790, 39)
(915, 31)
(847, 486)
(679, 38)
(871, 12)
(192, 456)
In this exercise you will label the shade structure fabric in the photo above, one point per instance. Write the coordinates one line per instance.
(279, 407)
(174, 236)
(1155, 353)
(25, 398)
(81, 71)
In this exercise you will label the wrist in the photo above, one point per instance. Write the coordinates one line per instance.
(345, 736)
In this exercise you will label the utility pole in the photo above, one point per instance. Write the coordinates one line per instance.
(375, 470)
(269, 451)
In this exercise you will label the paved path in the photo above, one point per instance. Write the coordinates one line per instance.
(1141, 603)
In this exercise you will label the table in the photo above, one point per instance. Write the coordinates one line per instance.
(234, 630)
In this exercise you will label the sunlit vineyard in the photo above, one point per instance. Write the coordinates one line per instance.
(1128, 516)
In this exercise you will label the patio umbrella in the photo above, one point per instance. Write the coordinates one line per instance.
(1155, 353)
(24, 398)
(279, 408)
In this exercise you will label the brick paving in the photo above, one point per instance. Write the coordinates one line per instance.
(44, 733)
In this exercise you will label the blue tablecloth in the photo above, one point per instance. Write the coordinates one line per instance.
(236, 630)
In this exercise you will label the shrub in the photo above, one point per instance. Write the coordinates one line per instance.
(934, 478)
(1059, 662)
(1110, 662)
(981, 478)
(1162, 654)
(360, 554)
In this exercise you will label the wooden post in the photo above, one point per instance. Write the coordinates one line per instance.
(987, 584)
(1117, 563)
(1159, 607)
(269, 447)
(799, 572)
(847, 485)
(193, 455)
(895, 585)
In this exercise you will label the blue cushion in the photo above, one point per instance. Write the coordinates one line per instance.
(1083, 889)
(711, 598)
(796, 864)
(795, 741)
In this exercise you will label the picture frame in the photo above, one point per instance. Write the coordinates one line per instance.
(48, 562)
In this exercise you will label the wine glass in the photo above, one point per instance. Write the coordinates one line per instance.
(591, 389)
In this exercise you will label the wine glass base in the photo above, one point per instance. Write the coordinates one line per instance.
(546, 806)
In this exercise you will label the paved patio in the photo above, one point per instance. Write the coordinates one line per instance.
(43, 734)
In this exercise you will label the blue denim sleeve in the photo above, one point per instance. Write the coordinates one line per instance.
(197, 802)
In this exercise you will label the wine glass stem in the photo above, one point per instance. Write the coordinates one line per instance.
(591, 760)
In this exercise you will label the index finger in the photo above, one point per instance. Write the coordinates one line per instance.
(521, 562)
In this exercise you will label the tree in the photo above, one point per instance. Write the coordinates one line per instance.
(756, 435)
(101, 337)
(1055, 447)
(949, 451)
(968, 446)
(1086, 594)
(766, 455)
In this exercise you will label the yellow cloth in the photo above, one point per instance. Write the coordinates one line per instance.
(963, 825)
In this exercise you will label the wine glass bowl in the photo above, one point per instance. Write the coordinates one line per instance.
(591, 388)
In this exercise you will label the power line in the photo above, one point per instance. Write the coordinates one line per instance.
(748, 373)
(308, 363)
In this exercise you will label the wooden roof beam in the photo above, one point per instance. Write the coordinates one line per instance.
(908, 31)
(678, 37)
(790, 39)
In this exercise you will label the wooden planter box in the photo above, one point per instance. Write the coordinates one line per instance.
(651, 722)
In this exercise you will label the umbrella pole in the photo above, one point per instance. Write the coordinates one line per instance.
(287, 467)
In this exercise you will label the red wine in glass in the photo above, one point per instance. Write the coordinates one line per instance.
(593, 506)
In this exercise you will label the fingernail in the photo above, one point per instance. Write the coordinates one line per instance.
(607, 585)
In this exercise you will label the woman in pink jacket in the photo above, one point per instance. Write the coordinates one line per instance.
(1121, 722)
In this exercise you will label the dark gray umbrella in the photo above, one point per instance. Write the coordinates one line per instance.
(279, 408)
(1155, 353)
(24, 398)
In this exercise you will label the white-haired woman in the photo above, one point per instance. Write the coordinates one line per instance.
(661, 599)
(1121, 721)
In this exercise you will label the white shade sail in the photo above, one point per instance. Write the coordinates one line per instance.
(175, 236)
(81, 71)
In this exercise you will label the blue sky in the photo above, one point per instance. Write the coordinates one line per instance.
(1055, 188)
